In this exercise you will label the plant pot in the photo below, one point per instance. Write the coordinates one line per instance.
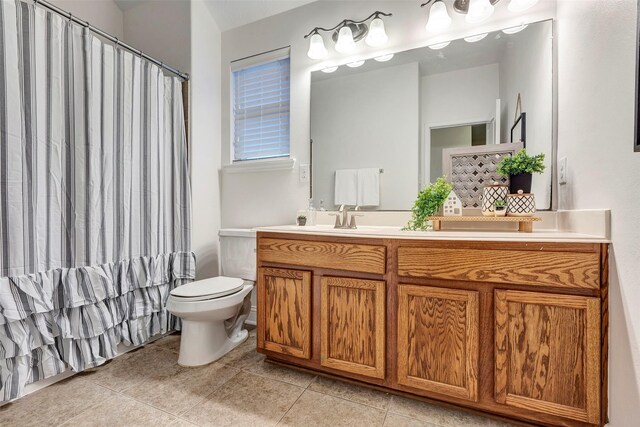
(501, 211)
(490, 195)
(302, 221)
(522, 181)
(521, 204)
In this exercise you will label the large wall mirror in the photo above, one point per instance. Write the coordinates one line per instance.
(402, 115)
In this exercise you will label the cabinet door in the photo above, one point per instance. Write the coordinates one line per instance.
(284, 311)
(353, 325)
(547, 353)
(438, 340)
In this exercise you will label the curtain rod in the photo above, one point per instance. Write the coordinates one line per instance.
(98, 31)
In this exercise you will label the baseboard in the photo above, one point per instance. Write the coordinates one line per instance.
(252, 319)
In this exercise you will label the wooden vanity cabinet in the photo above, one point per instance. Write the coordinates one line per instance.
(284, 324)
(547, 354)
(352, 313)
(438, 346)
(516, 329)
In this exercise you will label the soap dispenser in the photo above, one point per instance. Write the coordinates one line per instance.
(311, 213)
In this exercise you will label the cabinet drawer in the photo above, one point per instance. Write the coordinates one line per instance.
(548, 268)
(337, 256)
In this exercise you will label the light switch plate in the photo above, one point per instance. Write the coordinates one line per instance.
(562, 171)
(304, 173)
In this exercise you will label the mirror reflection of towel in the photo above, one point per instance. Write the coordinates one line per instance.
(369, 187)
(346, 191)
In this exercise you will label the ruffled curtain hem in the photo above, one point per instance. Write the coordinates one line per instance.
(75, 318)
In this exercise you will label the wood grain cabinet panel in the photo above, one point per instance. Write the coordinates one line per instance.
(438, 340)
(547, 350)
(541, 268)
(332, 255)
(353, 325)
(284, 311)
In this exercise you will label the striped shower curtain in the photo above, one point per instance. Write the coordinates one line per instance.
(94, 197)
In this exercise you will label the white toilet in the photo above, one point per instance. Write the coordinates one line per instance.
(213, 310)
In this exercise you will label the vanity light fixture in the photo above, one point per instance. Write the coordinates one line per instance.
(514, 30)
(345, 43)
(521, 5)
(347, 33)
(476, 38)
(377, 35)
(479, 11)
(384, 58)
(355, 64)
(439, 19)
(316, 47)
(329, 69)
(439, 46)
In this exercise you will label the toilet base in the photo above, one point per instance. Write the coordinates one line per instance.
(202, 343)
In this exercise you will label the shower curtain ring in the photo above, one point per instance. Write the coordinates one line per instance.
(117, 42)
(70, 17)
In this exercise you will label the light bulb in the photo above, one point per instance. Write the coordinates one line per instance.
(329, 69)
(476, 38)
(377, 36)
(439, 45)
(384, 58)
(521, 5)
(439, 19)
(514, 30)
(345, 43)
(316, 47)
(355, 64)
(479, 10)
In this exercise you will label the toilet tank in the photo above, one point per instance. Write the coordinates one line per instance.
(238, 253)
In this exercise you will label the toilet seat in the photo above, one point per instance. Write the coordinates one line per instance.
(213, 288)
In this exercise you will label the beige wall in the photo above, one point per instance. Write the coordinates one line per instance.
(104, 14)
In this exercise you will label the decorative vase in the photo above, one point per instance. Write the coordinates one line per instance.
(522, 181)
(521, 204)
(490, 195)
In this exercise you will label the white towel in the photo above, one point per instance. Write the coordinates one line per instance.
(346, 192)
(369, 187)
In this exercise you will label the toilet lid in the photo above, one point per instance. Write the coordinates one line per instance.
(215, 287)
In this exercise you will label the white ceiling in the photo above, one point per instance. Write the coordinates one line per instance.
(230, 14)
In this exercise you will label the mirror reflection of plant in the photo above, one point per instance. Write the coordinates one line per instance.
(429, 201)
(520, 163)
(302, 217)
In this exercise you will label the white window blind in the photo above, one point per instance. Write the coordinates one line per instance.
(261, 110)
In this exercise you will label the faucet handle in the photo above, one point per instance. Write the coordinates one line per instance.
(341, 208)
(337, 224)
(352, 223)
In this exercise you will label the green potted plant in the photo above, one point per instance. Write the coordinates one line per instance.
(519, 168)
(428, 203)
(302, 220)
(500, 207)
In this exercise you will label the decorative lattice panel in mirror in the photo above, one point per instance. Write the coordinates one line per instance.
(469, 169)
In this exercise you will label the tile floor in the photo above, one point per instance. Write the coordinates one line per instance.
(146, 387)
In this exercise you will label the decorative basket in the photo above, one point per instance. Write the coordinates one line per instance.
(521, 204)
(490, 195)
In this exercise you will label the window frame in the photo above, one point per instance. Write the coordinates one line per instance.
(283, 160)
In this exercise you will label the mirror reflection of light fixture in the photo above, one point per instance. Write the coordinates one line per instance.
(316, 47)
(345, 43)
(439, 19)
(439, 46)
(347, 33)
(329, 69)
(514, 30)
(377, 35)
(355, 64)
(384, 58)
(521, 5)
(476, 38)
(479, 11)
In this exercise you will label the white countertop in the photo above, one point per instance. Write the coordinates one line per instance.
(469, 235)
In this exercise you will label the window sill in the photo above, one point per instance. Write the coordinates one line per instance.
(266, 165)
